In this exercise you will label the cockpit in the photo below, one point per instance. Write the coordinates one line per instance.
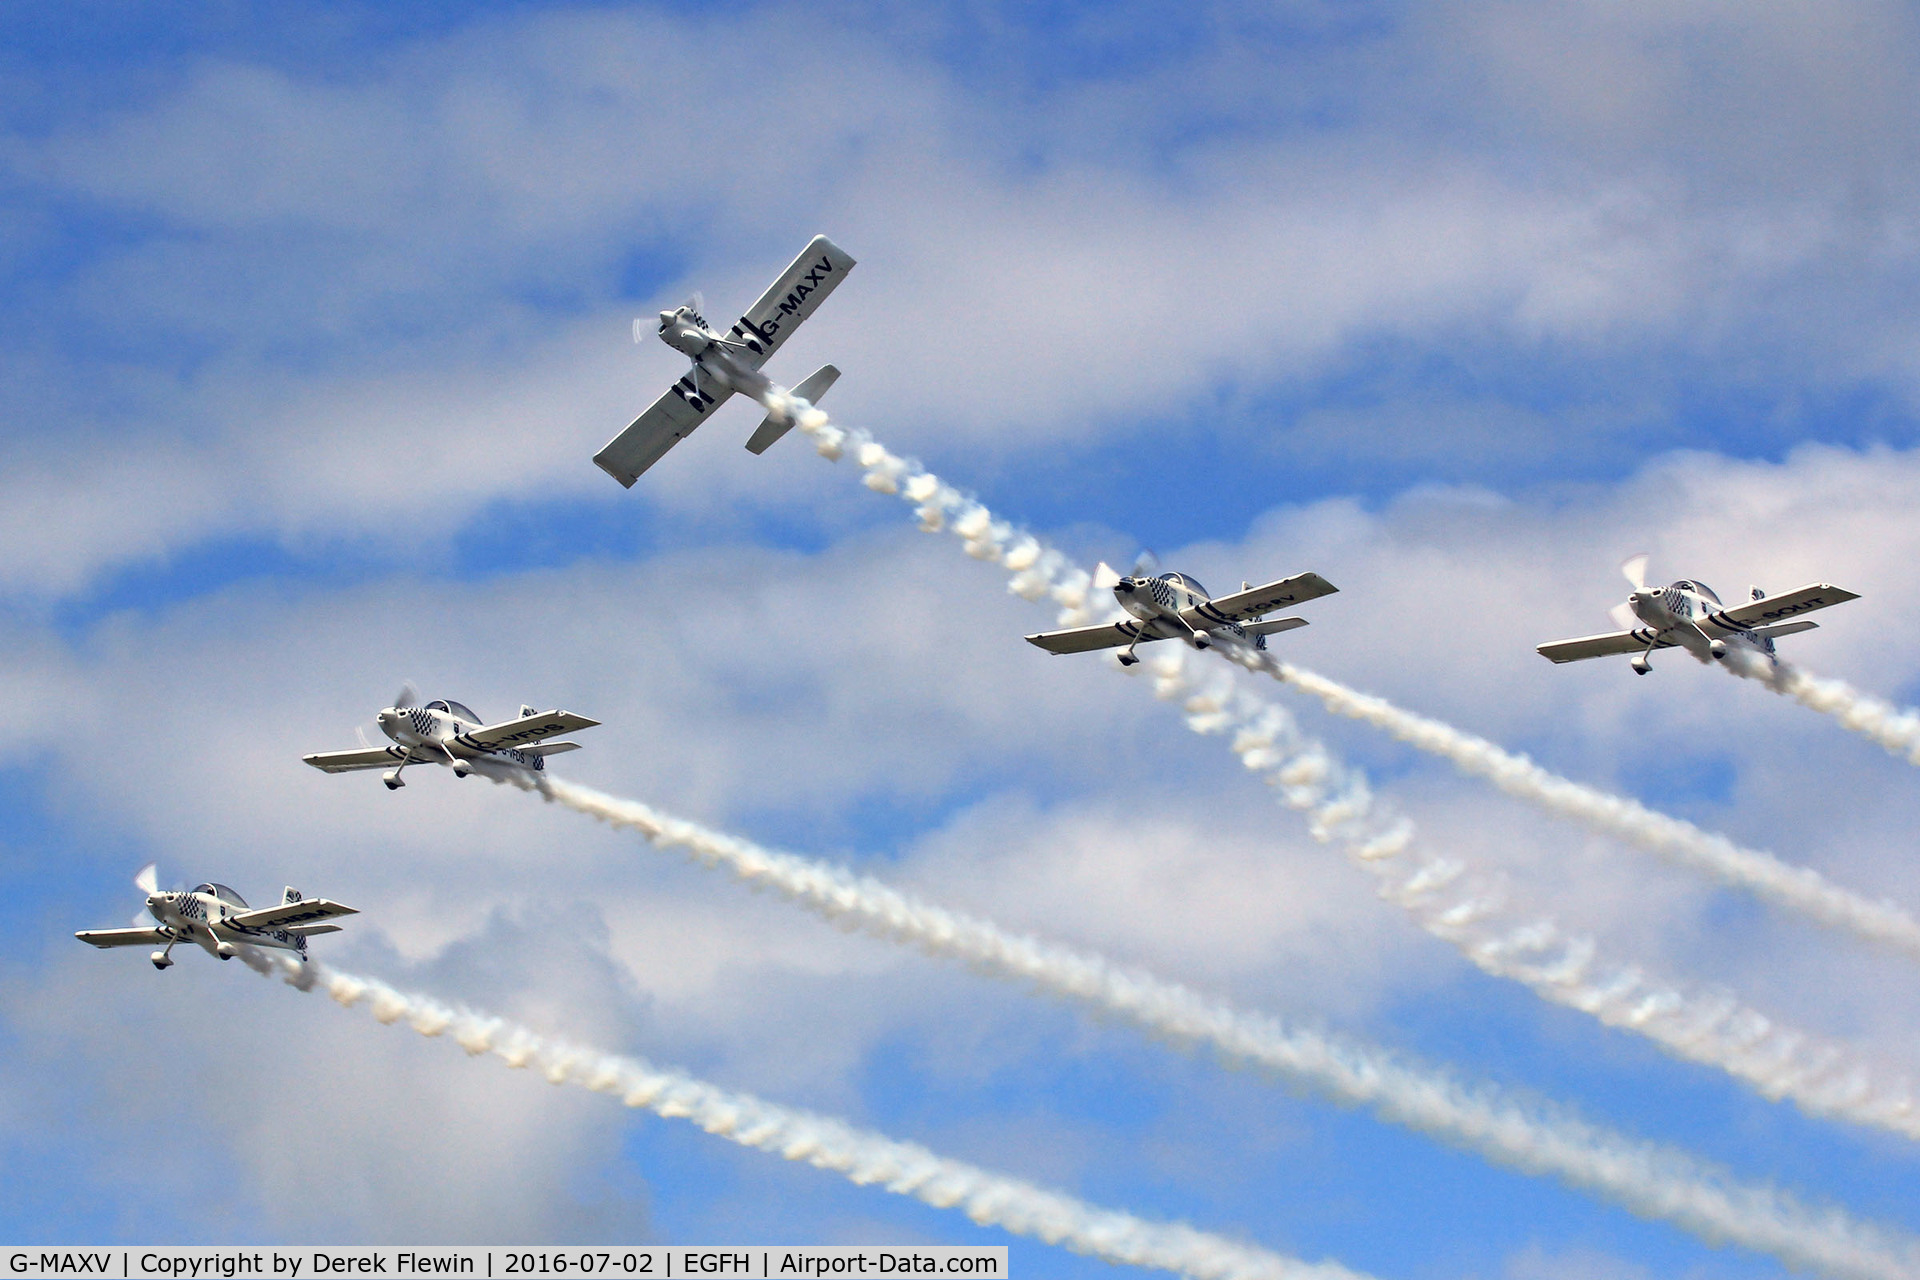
(1191, 584)
(1700, 589)
(221, 892)
(453, 709)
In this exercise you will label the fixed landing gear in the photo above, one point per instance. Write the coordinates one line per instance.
(392, 778)
(1641, 666)
(163, 959)
(1128, 658)
(1718, 649)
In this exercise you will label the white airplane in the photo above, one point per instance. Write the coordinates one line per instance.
(1173, 606)
(218, 919)
(724, 363)
(450, 734)
(1688, 615)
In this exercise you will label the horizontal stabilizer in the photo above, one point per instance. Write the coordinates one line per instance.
(548, 748)
(811, 390)
(1779, 629)
(1272, 626)
(309, 930)
(1781, 608)
(1254, 601)
(122, 937)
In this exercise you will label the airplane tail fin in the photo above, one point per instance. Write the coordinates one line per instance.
(810, 390)
(291, 894)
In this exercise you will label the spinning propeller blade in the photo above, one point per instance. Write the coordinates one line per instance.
(1145, 565)
(639, 330)
(1635, 571)
(699, 305)
(148, 879)
(1104, 578)
(407, 696)
(1623, 616)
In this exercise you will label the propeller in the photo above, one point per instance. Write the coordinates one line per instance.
(1635, 571)
(407, 696)
(1104, 578)
(639, 330)
(1623, 616)
(1145, 565)
(699, 305)
(147, 881)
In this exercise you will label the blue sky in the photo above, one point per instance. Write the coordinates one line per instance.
(314, 315)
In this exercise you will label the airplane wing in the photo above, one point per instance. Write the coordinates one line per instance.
(1255, 601)
(1602, 646)
(307, 910)
(122, 937)
(364, 758)
(527, 729)
(680, 409)
(821, 266)
(1086, 639)
(1779, 608)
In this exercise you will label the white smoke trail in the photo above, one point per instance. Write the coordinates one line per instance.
(1541, 1139)
(1472, 908)
(1896, 730)
(1798, 888)
(865, 1158)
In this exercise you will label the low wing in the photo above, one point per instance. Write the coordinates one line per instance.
(291, 913)
(1255, 601)
(1086, 639)
(801, 288)
(1603, 646)
(1779, 608)
(672, 419)
(527, 729)
(364, 758)
(122, 937)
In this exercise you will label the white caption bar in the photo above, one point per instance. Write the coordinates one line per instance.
(497, 1262)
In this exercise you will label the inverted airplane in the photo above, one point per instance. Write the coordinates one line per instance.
(1174, 606)
(448, 733)
(724, 363)
(1688, 615)
(219, 920)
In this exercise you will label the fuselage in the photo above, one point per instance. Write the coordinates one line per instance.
(1690, 615)
(1173, 605)
(684, 331)
(200, 915)
(438, 731)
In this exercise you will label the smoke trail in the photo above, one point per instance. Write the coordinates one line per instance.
(1799, 888)
(1896, 730)
(865, 1158)
(1651, 1180)
(1471, 908)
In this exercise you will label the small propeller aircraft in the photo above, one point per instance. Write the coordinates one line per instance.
(724, 363)
(1688, 615)
(1174, 606)
(448, 733)
(218, 919)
